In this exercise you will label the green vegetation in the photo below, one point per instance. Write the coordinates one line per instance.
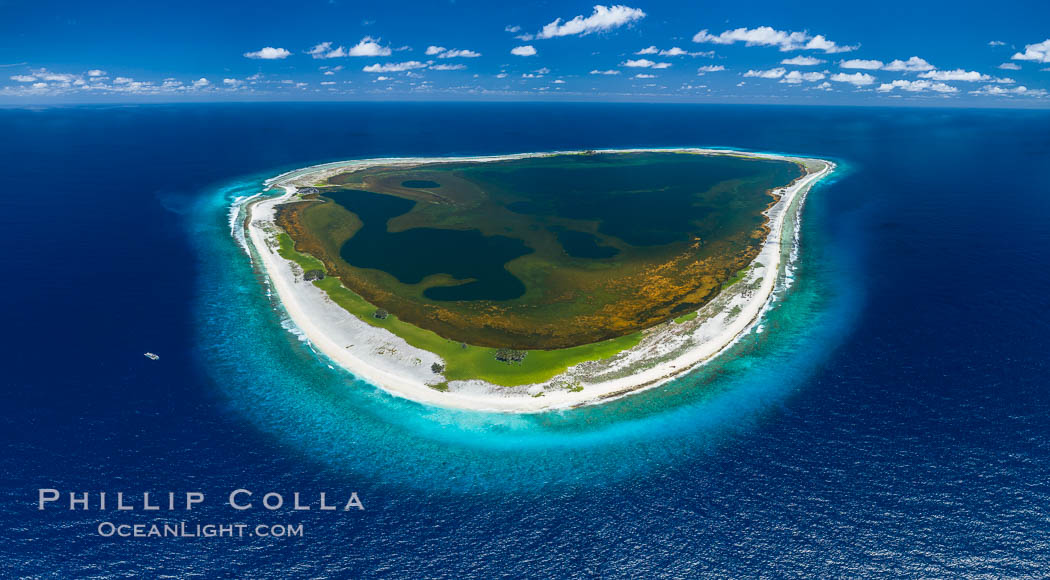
(736, 278)
(687, 317)
(464, 362)
(288, 252)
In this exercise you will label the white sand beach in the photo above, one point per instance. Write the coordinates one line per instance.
(387, 361)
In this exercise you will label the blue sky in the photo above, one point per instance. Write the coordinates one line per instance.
(895, 52)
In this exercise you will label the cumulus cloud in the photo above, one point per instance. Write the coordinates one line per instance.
(801, 61)
(995, 90)
(394, 66)
(201, 83)
(913, 64)
(996, 43)
(673, 51)
(268, 53)
(797, 77)
(855, 79)
(448, 67)
(767, 36)
(773, 73)
(644, 63)
(369, 46)
(432, 50)
(512, 29)
(917, 86)
(527, 50)
(96, 72)
(1010, 66)
(643, 76)
(710, 68)
(23, 78)
(325, 50)
(1039, 52)
(456, 53)
(605, 72)
(955, 75)
(603, 18)
(862, 64)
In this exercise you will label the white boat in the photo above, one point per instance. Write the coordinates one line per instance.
(151, 356)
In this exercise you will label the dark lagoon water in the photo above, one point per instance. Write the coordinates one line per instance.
(643, 199)
(584, 245)
(420, 184)
(416, 253)
(892, 418)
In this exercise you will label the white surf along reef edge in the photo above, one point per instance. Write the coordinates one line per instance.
(380, 357)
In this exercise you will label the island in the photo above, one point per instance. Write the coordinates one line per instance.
(528, 282)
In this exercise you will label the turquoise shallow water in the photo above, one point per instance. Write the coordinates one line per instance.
(284, 388)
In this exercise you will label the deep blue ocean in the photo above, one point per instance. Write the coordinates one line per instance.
(891, 419)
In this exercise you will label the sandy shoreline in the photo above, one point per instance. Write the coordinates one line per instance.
(384, 359)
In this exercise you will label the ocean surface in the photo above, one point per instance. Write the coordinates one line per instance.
(892, 417)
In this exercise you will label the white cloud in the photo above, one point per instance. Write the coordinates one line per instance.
(603, 18)
(559, 82)
(796, 77)
(767, 36)
(1010, 66)
(1000, 91)
(448, 67)
(955, 75)
(643, 76)
(123, 80)
(454, 53)
(394, 66)
(526, 50)
(432, 50)
(673, 51)
(325, 50)
(913, 64)
(368, 46)
(232, 82)
(802, 61)
(996, 43)
(512, 29)
(644, 63)
(269, 53)
(773, 73)
(710, 68)
(917, 86)
(23, 78)
(1039, 52)
(824, 86)
(855, 79)
(862, 64)
(201, 83)
(605, 72)
(96, 72)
